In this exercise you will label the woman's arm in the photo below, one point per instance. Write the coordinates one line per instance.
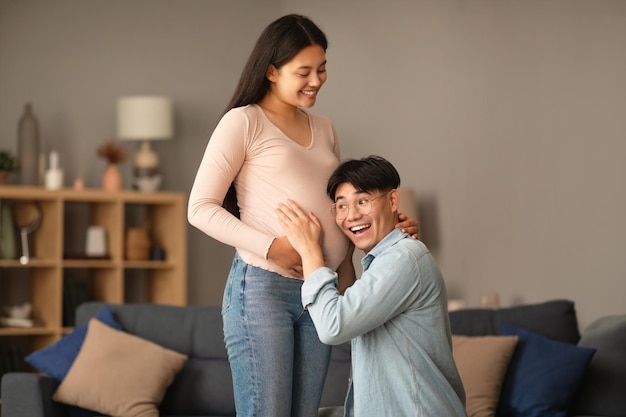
(222, 160)
(284, 255)
(346, 272)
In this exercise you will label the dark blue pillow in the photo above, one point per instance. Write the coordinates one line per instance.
(56, 359)
(543, 375)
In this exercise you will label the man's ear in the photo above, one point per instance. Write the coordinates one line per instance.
(394, 199)
(271, 73)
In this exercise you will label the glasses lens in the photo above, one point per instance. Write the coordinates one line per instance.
(341, 210)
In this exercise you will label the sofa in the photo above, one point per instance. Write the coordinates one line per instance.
(202, 387)
(570, 374)
(493, 350)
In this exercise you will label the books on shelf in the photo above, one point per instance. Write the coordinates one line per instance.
(75, 292)
(16, 322)
(17, 316)
(11, 359)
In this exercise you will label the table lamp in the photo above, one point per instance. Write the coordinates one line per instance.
(145, 118)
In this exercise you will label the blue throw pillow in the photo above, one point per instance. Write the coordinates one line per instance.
(543, 375)
(56, 359)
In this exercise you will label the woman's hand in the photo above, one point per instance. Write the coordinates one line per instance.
(410, 226)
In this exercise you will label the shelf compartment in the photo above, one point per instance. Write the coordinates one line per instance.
(58, 256)
(79, 215)
(39, 286)
(43, 215)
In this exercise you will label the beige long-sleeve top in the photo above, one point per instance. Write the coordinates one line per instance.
(267, 168)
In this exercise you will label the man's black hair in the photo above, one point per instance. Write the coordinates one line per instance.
(366, 174)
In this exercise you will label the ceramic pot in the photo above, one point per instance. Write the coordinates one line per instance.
(137, 244)
(112, 178)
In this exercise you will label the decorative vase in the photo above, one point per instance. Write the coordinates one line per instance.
(112, 178)
(137, 244)
(4, 175)
(28, 147)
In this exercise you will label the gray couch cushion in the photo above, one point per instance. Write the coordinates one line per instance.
(555, 320)
(603, 391)
(183, 329)
(202, 384)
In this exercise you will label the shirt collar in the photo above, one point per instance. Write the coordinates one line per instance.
(391, 239)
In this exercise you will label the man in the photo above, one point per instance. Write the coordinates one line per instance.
(395, 314)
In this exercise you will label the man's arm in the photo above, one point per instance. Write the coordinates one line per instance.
(389, 287)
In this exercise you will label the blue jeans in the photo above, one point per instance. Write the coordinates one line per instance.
(277, 360)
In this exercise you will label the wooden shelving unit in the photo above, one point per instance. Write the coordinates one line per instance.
(58, 260)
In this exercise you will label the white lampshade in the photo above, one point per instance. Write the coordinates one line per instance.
(144, 118)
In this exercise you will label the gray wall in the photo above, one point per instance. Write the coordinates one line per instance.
(507, 118)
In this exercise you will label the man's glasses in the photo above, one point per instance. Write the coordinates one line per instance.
(362, 205)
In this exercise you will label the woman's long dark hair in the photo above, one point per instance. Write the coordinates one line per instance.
(278, 44)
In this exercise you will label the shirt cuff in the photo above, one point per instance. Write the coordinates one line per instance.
(318, 279)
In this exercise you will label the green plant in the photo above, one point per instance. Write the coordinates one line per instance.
(7, 161)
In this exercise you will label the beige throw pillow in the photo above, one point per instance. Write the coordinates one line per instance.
(119, 374)
(482, 362)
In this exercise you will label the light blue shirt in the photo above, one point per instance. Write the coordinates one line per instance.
(397, 318)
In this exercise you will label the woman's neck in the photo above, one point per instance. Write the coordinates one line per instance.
(278, 108)
(291, 120)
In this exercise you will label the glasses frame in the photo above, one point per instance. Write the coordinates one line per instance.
(333, 209)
